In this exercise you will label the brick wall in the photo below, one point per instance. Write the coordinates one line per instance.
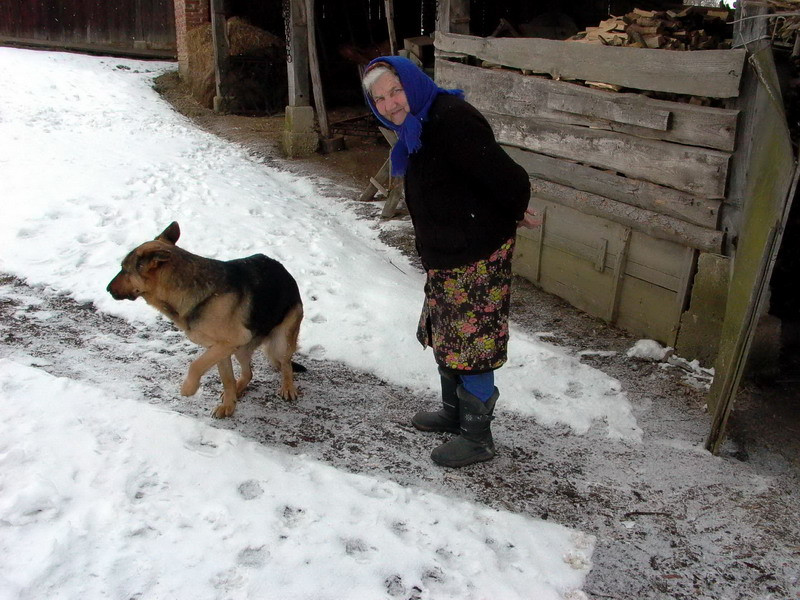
(188, 15)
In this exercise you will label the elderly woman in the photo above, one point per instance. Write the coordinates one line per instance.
(466, 197)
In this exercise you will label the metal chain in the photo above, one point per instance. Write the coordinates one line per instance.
(287, 24)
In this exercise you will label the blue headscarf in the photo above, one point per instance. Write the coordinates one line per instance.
(420, 91)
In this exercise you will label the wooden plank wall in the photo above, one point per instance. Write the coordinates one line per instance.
(631, 187)
(75, 23)
(765, 200)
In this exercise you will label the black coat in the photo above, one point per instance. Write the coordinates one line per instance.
(464, 193)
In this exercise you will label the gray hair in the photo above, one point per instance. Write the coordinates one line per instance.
(375, 73)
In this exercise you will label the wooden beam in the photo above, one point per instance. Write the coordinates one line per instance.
(316, 79)
(453, 16)
(682, 295)
(619, 273)
(660, 199)
(540, 243)
(752, 31)
(297, 55)
(219, 37)
(389, 4)
(697, 171)
(380, 180)
(714, 73)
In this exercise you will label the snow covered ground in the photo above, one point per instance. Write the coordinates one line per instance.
(103, 498)
(95, 163)
(112, 486)
(100, 496)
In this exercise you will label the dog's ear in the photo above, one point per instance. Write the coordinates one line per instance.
(152, 260)
(170, 234)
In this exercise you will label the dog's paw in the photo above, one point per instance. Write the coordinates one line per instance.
(288, 393)
(241, 386)
(189, 387)
(223, 411)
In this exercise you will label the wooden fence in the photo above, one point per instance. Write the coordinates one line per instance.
(632, 188)
(131, 26)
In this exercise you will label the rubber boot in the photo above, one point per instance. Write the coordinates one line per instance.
(446, 418)
(475, 444)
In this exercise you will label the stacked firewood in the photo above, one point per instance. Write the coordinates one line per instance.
(688, 28)
(787, 19)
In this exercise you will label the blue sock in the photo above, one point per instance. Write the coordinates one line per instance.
(481, 385)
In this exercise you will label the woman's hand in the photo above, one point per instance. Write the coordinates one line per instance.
(531, 220)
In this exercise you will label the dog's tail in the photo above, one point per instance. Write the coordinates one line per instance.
(298, 368)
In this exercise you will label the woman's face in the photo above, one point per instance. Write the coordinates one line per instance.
(390, 99)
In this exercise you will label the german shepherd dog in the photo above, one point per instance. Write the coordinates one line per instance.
(228, 307)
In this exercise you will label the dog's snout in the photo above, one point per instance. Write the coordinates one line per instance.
(115, 288)
(110, 287)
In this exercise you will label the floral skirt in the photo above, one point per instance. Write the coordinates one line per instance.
(465, 315)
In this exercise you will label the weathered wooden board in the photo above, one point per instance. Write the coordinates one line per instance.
(660, 199)
(645, 310)
(575, 258)
(647, 221)
(701, 323)
(632, 280)
(659, 262)
(698, 171)
(510, 92)
(655, 287)
(714, 73)
(609, 110)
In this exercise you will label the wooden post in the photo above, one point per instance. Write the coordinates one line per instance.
(390, 25)
(299, 136)
(540, 245)
(297, 55)
(381, 177)
(220, 42)
(453, 16)
(316, 81)
(619, 274)
(750, 32)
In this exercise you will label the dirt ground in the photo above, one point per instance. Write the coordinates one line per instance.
(671, 521)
